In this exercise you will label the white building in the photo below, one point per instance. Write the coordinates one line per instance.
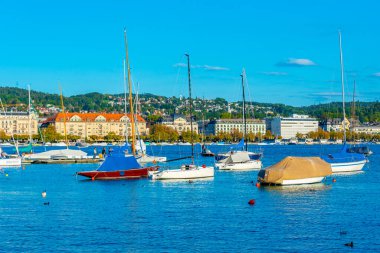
(374, 129)
(289, 127)
(180, 123)
(228, 125)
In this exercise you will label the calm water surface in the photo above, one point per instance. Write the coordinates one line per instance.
(203, 216)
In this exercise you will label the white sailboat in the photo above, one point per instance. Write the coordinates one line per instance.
(344, 161)
(6, 160)
(241, 159)
(188, 171)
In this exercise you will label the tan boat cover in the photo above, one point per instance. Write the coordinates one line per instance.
(292, 168)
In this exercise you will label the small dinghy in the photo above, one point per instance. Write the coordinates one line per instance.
(294, 171)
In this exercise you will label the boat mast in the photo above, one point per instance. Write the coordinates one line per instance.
(11, 126)
(29, 118)
(342, 80)
(191, 107)
(244, 116)
(125, 104)
(130, 93)
(64, 120)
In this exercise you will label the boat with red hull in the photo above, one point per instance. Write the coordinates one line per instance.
(118, 167)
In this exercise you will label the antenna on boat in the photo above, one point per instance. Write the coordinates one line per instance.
(342, 80)
(130, 93)
(244, 116)
(190, 107)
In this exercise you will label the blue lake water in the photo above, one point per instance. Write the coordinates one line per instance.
(203, 216)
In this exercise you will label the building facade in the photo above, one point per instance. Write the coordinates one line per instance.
(18, 123)
(289, 127)
(99, 124)
(228, 125)
(369, 129)
(180, 123)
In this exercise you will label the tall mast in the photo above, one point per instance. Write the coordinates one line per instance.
(125, 103)
(353, 116)
(29, 116)
(191, 109)
(342, 79)
(244, 116)
(64, 120)
(130, 93)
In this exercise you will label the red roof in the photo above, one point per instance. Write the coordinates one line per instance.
(90, 117)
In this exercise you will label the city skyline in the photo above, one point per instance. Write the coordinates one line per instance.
(289, 50)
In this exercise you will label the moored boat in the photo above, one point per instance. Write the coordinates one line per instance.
(118, 166)
(185, 172)
(295, 170)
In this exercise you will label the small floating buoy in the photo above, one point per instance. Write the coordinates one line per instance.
(334, 180)
(93, 178)
(203, 166)
(251, 202)
(258, 184)
(349, 244)
(6, 174)
(46, 203)
(43, 194)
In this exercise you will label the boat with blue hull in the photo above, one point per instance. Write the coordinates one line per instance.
(345, 161)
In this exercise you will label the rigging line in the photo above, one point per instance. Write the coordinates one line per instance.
(250, 103)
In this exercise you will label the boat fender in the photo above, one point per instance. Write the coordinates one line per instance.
(251, 202)
(93, 178)
(258, 184)
(203, 166)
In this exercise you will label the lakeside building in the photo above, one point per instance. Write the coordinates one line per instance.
(367, 129)
(335, 124)
(228, 125)
(100, 124)
(180, 123)
(18, 123)
(289, 127)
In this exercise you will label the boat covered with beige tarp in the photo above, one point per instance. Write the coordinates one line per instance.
(295, 170)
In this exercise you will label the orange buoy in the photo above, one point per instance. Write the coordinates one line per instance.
(258, 184)
(334, 180)
(251, 202)
(203, 166)
(93, 178)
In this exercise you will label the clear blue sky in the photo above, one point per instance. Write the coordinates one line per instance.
(289, 48)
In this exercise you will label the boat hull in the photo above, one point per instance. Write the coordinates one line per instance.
(117, 174)
(193, 173)
(312, 180)
(249, 165)
(5, 162)
(348, 166)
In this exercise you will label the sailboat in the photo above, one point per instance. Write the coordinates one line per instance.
(6, 160)
(188, 171)
(118, 165)
(240, 159)
(344, 161)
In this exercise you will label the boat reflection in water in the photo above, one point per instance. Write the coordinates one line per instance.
(297, 188)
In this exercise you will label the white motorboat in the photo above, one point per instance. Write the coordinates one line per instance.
(185, 172)
(8, 161)
(239, 161)
(60, 154)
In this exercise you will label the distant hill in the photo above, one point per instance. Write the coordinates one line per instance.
(151, 104)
